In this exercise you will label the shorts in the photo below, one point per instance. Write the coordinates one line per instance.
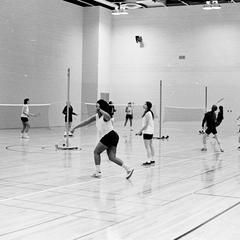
(129, 116)
(147, 136)
(110, 139)
(212, 130)
(24, 119)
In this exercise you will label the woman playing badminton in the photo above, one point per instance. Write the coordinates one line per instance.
(109, 140)
(25, 118)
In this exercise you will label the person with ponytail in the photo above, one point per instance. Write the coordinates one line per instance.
(25, 115)
(147, 130)
(109, 139)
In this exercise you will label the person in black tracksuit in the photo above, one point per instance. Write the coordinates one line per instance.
(68, 121)
(209, 123)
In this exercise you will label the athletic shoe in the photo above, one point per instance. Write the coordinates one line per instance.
(70, 134)
(152, 162)
(221, 150)
(26, 136)
(239, 148)
(96, 175)
(204, 149)
(146, 164)
(129, 173)
(21, 135)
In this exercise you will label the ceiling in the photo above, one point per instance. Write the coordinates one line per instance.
(133, 4)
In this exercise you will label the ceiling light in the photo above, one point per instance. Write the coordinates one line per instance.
(211, 5)
(119, 11)
(215, 5)
(207, 6)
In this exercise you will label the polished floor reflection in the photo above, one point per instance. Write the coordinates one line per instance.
(48, 194)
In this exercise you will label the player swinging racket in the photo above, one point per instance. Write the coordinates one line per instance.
(210, 121)
(110, 138)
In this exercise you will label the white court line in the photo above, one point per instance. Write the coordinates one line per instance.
(94, 180)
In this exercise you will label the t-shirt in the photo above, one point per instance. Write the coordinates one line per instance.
(103, 127)
(129, 110)
(25, 111)
(148, 119)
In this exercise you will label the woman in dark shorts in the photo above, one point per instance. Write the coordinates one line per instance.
(147, 130)
(109, 140)
(25, 118)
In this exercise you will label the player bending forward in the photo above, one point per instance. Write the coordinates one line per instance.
(110, 138)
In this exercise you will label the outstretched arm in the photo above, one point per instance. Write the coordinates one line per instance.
(84, 123)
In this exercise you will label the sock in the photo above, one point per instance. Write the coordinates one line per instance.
(98, 168)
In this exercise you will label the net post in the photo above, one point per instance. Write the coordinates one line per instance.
(66, 146)
(68, 91)
(206, 98)
(160, 110)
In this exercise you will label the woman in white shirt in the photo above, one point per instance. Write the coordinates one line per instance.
(147, 130)
(109, 140)
(25, 118)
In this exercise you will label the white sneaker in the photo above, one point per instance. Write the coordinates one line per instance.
(129, 173)
(26, 136)
(96, 175)
(204, 149)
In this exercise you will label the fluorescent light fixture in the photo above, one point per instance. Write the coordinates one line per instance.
(119, 11)
(215, 5)
(207, 6)
(211, 5)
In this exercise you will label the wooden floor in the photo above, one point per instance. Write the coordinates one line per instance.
(188, 194)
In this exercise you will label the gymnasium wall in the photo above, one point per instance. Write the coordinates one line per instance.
(185, 47)
(39, 40)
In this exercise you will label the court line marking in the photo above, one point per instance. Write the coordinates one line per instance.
(95, 180)
(83, 183)
(207, 221)
(217, 195)
(141, 169)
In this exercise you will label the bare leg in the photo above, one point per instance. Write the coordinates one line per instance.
(97, 151)
(151, 149)
(147, 147)
(218, 142)
(112, 156)
(125, 122)
(24, 127)
(27, 127)
(205, 135)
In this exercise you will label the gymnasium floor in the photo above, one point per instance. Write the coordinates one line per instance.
(48, 194)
